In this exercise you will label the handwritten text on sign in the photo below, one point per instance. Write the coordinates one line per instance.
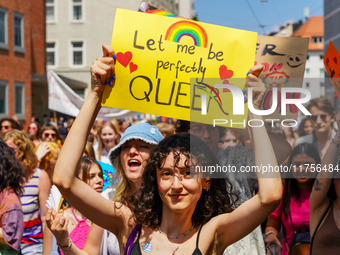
(157, 56)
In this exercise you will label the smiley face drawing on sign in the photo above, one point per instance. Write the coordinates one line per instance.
(295, 61)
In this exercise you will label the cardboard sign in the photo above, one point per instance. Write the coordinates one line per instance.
(284, 60)
(330, 61)
(157, 56)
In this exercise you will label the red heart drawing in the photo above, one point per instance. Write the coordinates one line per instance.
(226, 82)
(133, 67)
(225, 73)
(124, 58)
(335, 60)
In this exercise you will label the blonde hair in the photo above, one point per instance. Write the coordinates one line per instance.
(123, 185)
(50, 157)
(26, 154)
(100, 149)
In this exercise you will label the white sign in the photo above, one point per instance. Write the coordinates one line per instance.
(62, 98)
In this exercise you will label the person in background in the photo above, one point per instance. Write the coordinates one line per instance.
(75, 223)
(49, 133)
(325, 202)
(48, 161)
(34, 130)
(289, 133)
(305, 127)
(11, 215)
(94, 138)
(128, 158)
(322, 119)
(108, 138)
(166, 129)
(229, 139)
(16, 119)
(294, 208)
(36, 190)
(7, 124)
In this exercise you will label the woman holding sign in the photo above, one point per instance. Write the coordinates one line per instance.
(177, 226)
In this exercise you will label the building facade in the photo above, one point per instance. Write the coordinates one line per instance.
(314, 77)
(332, 33)
(22, 58)
(76, 29)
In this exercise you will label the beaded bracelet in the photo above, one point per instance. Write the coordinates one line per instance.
(66, 246)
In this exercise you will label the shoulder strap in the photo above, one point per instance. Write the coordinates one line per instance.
(198, 236)
(129, 243)
(317, 227)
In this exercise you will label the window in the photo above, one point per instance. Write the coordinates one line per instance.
(3, 98)
(322, 84)
(318, 39)
(307, 57)
(19, 99)
(50, 10)
(322, 71)
(77, 10)
(50, 54)
(307, 84)
(77, 52)
(18, 32)
(321, 57)
(307, 70)
(3, 28)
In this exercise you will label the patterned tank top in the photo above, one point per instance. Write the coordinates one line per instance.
(30, 207)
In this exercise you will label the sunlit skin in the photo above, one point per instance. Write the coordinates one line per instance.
(308, 127)
(49, 135)
(108, 136)
(95, 178)
(132, 156)
(5, 124)
(179, 193)
(12, 145)
(303, 175)
(321, 125)
(229, 140)
(33, 129)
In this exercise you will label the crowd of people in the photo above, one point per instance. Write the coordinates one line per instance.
(130, 187)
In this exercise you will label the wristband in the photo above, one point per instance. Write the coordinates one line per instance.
(269, 232)
(66, 246)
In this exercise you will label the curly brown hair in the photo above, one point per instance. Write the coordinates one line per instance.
(146, 203)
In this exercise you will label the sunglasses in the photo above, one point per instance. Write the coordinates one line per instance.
(33, 128)
(46, 135)
(5, 127)
(315, 117)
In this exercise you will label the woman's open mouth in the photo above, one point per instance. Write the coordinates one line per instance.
(134, 164)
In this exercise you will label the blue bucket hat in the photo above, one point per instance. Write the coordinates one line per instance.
(142, 131)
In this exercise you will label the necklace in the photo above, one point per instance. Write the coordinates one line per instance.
(172, 237)
(173, 251)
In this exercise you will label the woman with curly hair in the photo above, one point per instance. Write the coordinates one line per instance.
(11, 216)
(36, 190)
(179, 222)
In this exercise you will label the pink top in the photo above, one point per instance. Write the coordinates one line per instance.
(79, 233)
(299, 211)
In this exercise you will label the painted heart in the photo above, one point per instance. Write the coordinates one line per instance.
(335, 60)
(124, 58)
(133, 67)
(224, 89)
(225, 73)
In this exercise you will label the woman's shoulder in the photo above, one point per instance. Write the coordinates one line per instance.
(8, 199)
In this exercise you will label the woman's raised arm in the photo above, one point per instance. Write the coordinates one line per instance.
(232, 227)
(318, 198)
(79, 194)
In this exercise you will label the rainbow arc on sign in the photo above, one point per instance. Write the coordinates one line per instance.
(187, 28)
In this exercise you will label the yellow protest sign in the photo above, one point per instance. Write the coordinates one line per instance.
(157, 56)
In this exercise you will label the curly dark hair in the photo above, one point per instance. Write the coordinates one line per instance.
(291, 189)
(146, 203)
(12, 172)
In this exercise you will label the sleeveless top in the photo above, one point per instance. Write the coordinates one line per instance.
(79, 233)
(135, 250)
(30, 207)
(327, 238)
